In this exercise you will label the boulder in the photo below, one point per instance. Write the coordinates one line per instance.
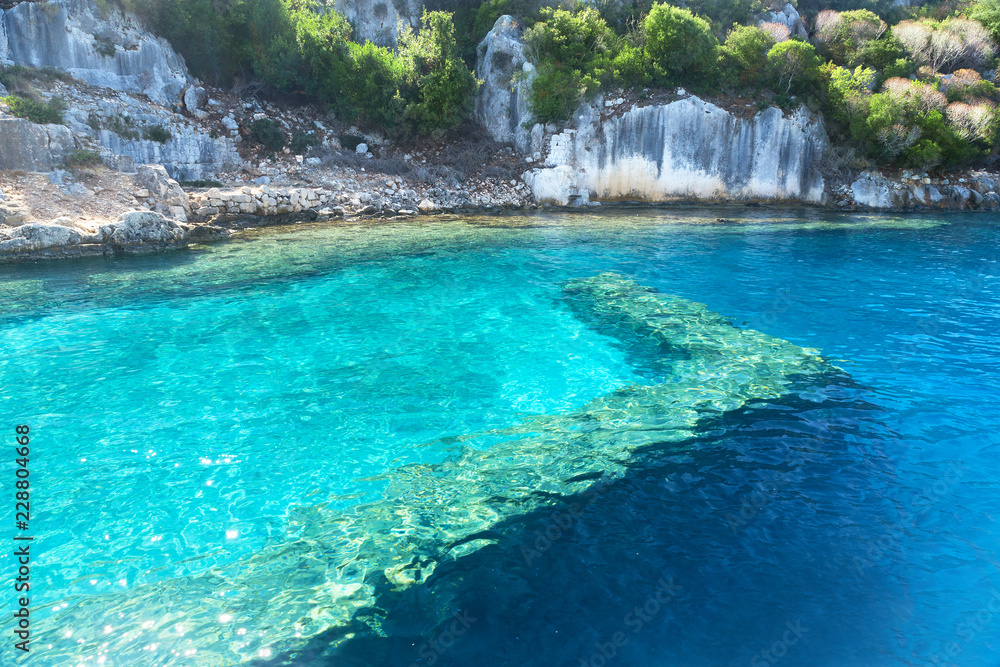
(425, 206)
(139, 231)
(194, 98)
(788, 17)
(12, 215)
(38, 237)
(25, 145)
(872, 190)
(502, 103)
(165, 191)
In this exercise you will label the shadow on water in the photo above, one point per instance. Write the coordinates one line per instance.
(761, 527)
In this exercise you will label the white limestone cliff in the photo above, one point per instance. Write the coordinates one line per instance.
(687, 149)
(103, 48)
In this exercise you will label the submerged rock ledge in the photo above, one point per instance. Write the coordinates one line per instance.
(335, 567)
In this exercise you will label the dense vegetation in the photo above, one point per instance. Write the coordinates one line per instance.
(298, 47)
(911, 95)
(910, 87)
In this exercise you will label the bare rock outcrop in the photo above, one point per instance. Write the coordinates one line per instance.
(687, 149)
(103, 47)
(142, 231)
(25, 145)
(502, 101)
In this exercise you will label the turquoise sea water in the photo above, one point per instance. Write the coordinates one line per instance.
(188, 410)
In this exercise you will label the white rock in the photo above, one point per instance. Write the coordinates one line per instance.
(142, 228)
(361, 149)
(685, 149)
(38, 237)
(872, 190)
(502, 102)
(60, 33)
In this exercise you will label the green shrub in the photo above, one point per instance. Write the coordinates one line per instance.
(907, 126)
(845, 105)
(157, 133)
(878, 54)
(360, 82)
(839, 36)
(43, 113)
(555, 93)
(966, 85)
(82, 158)
(987, 12)
(681, 47)
(723, 14)
(124, 127)
(743, 57)
(439, 84)
(574, 53)
(630, 67)
(371, 89)
(267, 133)
(17, 79)
(201, 33)
(301, 141)
(794, 66)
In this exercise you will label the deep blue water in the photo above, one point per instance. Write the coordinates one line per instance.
(184, 405)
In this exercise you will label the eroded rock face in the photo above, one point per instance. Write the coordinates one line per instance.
(788, 17)
(25, 145)
(502, 102)
(3, 39)
(688, 149)
(112, 50)
(139, 231)
(120, 122)
(377, 20)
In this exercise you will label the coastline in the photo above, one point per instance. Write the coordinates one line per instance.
(222, 227)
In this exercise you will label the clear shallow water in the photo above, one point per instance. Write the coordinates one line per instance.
(185, 406)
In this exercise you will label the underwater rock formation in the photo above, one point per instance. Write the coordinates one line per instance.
(334, 564)
(687, 149)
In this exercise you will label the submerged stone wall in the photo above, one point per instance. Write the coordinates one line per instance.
(339, 562)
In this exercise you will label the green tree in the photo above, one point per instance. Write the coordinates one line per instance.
(793, 65)
(681, 46)
(574, 53)
(840, 35)
(441, 87)
(743, 58)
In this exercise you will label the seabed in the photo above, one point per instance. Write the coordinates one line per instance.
(337, 565)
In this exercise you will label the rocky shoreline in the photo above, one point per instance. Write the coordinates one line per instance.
(217, 214)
